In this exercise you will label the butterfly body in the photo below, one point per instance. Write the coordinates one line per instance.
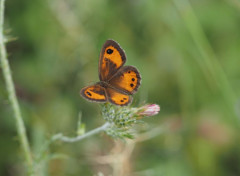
(117, 82)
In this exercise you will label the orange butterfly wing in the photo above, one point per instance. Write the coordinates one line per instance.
(112, 58)
(118, 98)
(127, 79)
(95, 93)
(117, 83)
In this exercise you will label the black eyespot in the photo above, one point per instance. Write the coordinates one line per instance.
(89, 93)
(131, 85)
(129, 71)
(109, 51)
(122, 101)
(133, 79)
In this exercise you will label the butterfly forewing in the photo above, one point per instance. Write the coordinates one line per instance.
(112, 58)
(94, 93)
(127, 79)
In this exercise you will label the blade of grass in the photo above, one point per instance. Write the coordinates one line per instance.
(209, 59)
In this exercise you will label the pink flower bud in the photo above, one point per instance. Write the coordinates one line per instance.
(149, 110)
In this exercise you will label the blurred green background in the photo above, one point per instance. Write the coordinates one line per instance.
(188, 56)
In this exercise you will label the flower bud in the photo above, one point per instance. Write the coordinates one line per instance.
(149, 110)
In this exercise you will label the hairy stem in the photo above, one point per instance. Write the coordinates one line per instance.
(81, 137)
(12, 94)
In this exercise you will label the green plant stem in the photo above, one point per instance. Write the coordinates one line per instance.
(12, 94)
(81, 137)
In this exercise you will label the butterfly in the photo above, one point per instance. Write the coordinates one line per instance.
(117, 82)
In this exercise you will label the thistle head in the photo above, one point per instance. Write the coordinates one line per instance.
(123, 119)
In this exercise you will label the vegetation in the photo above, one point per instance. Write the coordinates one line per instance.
(187, 53)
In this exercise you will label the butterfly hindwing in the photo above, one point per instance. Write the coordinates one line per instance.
(127, 79)
(117, 97)
(112, 58)
(94, 93)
